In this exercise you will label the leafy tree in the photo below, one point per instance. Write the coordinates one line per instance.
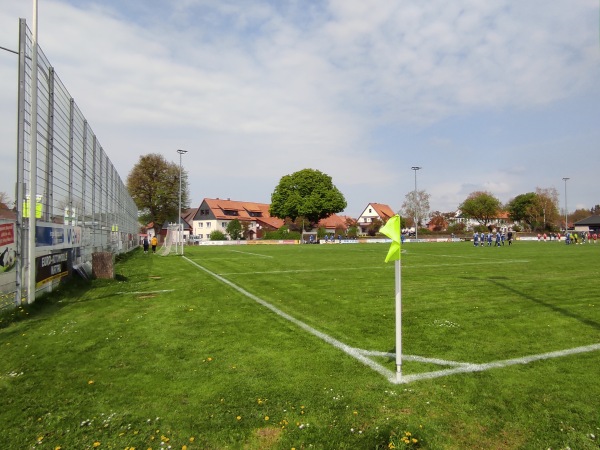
(153, 183)
(457, 228)
(308, 193)
(218, 235)
(595, 210)
(438, 222)
(234, 230)
(352, 231)
(538, 210)
(481, 206)
(521, 209)
(416, 206)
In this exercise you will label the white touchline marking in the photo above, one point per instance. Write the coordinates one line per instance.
(345, 269)
(389, 374)
(338, 344)
(250, 253)
(498, 364)
(439, 362)
(147, 292)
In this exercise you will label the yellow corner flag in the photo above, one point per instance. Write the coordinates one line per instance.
(392, 230)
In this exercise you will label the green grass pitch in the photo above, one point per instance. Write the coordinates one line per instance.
(256, 346)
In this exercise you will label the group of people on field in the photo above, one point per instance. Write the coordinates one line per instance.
(153, 242)
(497, 239)
(576, 238)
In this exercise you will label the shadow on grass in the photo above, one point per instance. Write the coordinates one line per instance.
(558, 309)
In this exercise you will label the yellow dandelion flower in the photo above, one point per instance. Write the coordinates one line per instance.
(408, 433)
(414, 441)
(91, 382)
(239, 417)
(58, 448)
(96, 444)
(184, 447)
(164, 438)
(209, 359)
(391, 445)
(266, 417)
(259, 401)
(192, 439)
(355, 413)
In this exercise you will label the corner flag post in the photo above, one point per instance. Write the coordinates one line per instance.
(398, 321)
(392, 230)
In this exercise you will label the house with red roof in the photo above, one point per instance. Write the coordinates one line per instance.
(334, 224)
(374, 211)
(215, 214)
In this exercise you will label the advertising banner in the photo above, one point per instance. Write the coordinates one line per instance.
(51, 267)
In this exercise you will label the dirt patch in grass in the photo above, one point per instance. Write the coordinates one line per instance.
(264, 438)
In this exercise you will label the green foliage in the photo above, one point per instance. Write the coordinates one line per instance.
(153, 184)
(481, 206)
(218, 236)
(520, 208)
(308, 193)
(321, 232)
(457, 228)
(234, 230)
(352, 231)
(284, 233)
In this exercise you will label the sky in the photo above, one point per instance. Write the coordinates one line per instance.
(497, 96)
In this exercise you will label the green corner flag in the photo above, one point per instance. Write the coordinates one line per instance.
(392, 230)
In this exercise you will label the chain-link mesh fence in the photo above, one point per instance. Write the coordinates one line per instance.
(82, 206)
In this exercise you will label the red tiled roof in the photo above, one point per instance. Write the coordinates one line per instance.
(219, 207)
(333, 221)
(383, 211)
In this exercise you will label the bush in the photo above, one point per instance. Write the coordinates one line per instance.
(281, 234)
(218, 236)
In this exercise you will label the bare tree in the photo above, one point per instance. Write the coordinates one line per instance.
(416, 206)
(547, 203)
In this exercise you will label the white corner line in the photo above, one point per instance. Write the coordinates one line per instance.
(392, 376)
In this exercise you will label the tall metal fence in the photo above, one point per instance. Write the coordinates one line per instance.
(81, 207)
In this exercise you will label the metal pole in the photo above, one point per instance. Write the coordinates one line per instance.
(415, 168)
(566, 219)
(180, 224)
(33, 160)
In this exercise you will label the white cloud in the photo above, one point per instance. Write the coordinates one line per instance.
(258, 91)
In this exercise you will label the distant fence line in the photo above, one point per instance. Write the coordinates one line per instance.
(82, 206)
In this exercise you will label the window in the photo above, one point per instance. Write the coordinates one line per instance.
(207, 224)
(201, 236)
(201, 224)
(370, 210)
(224, 224)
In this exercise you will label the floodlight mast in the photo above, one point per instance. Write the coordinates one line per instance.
(179, 222)
(566, 213)
(415, 168)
